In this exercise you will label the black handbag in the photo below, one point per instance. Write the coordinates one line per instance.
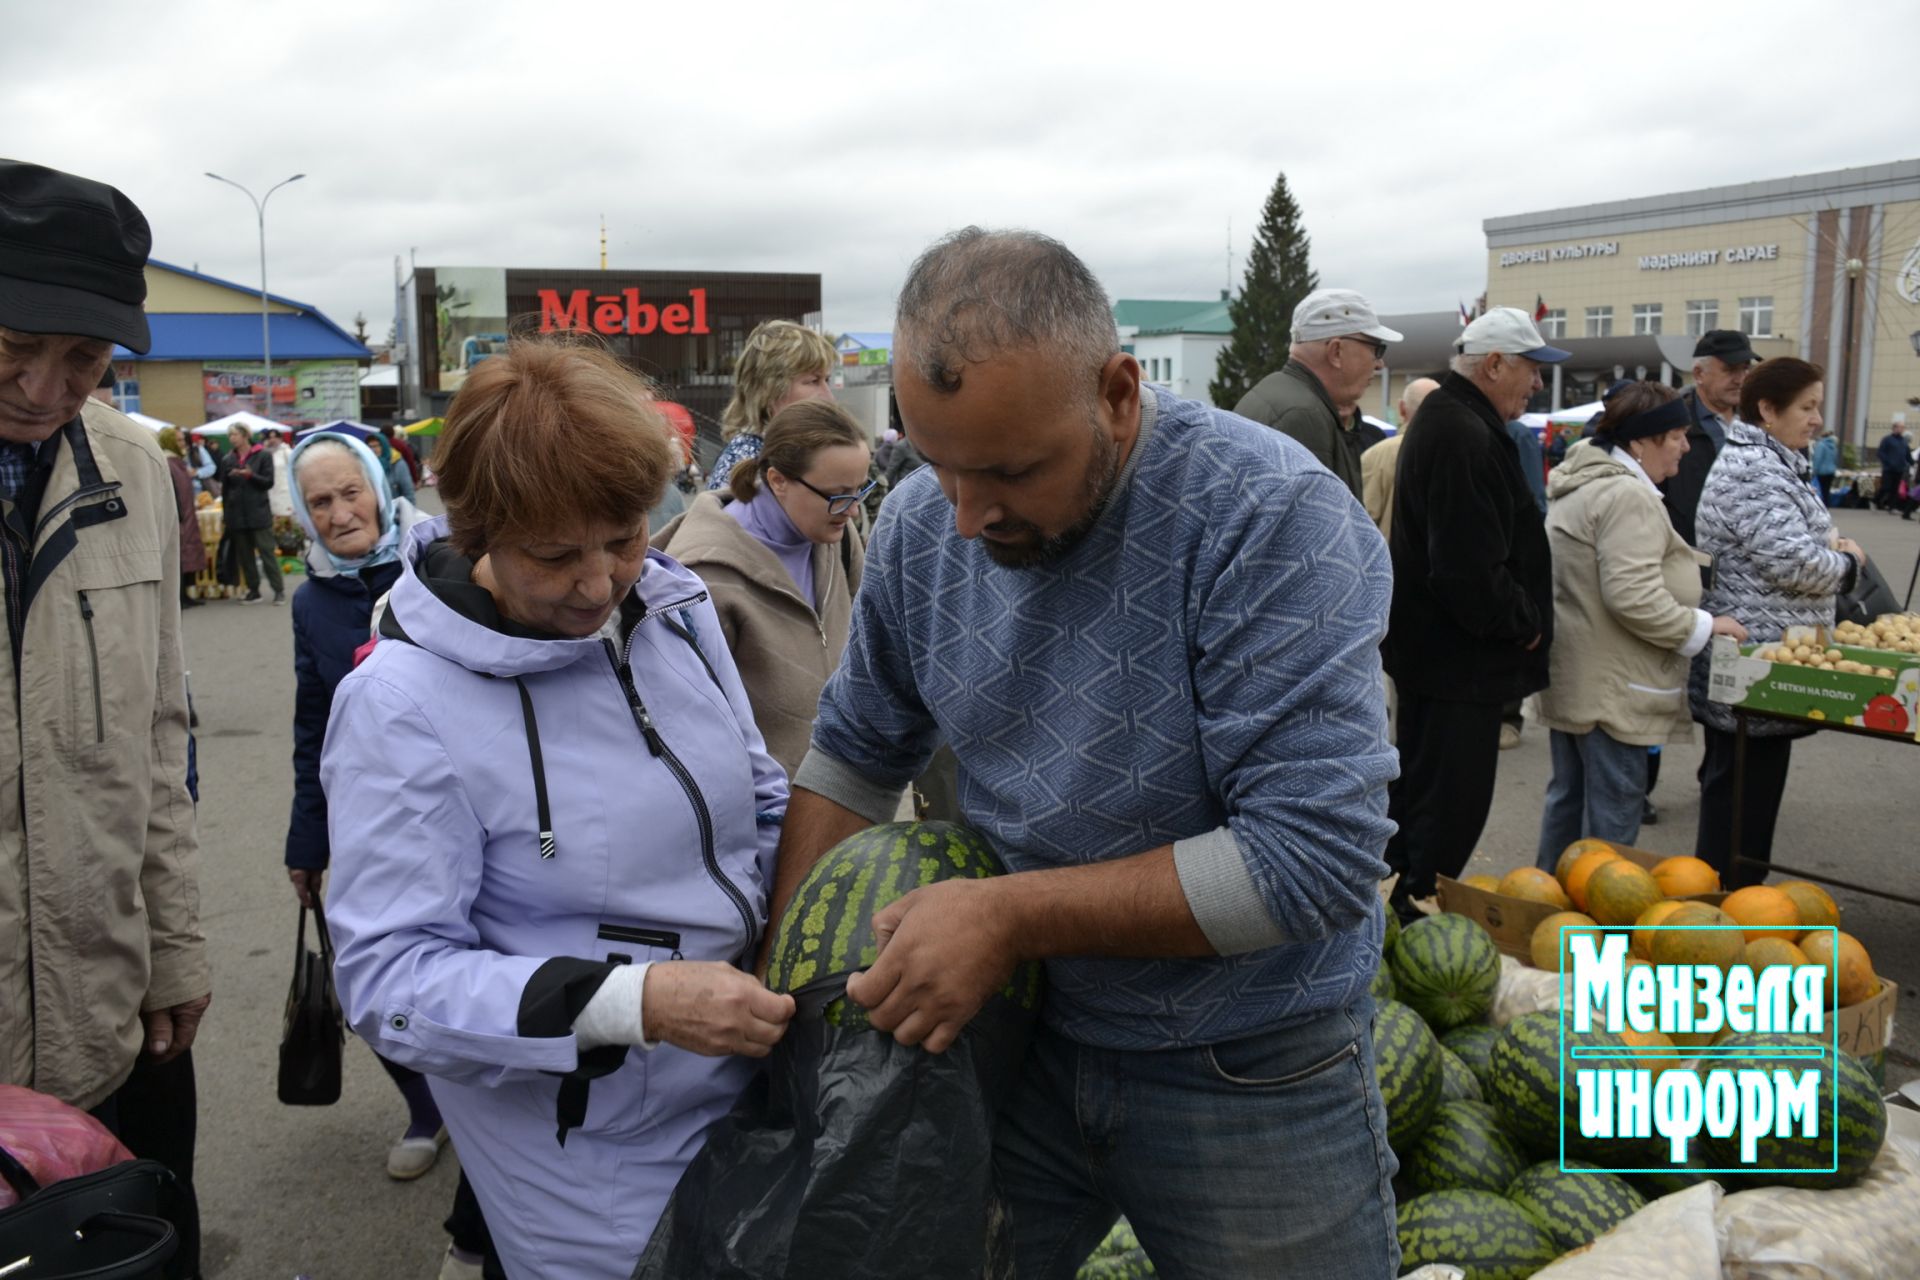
(312, 1036)
(109, 1225)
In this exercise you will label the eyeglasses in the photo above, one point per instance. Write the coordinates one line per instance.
(838, 503)
(1378, 347)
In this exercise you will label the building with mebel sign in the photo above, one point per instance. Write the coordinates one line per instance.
(681, 329)
(1825, 266)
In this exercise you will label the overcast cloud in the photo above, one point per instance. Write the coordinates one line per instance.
(841, 138)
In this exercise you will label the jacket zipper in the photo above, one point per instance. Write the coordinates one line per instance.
(665, 939)
(91, 491)
(93, 656)
(657, 746)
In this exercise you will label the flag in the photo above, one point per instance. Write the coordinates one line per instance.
(1539, 308)
(1465, 319)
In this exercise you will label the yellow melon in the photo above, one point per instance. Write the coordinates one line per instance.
(1583, 868)
(1685, 877)
(1816, 905)
(1619, 891)
(1762, 952)
(1660, 1063)
(1544, 947)
(1481, 880)
(1699, 934)
(1643, 934)
(1535, 885)
(1765, 911)
(1563, 869)
(1854, 966)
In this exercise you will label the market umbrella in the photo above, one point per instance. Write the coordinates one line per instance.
(358, 430)
(424, 427)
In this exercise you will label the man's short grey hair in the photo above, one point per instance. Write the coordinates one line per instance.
(1468, 365)
(976, 293)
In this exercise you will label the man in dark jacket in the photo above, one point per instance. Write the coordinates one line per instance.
(1720, 362)
(1896, 459)
(1338, 343)
(248, 513)
(1472, 598)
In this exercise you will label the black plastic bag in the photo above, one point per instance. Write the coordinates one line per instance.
(853, 1157)
(1870, 597)
(312, 1034)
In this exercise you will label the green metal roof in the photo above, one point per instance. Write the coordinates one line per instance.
(1155, 316)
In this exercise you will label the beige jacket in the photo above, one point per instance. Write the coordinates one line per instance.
(784, 649)
(1626, 595)
(1376, 479)
(99, 895)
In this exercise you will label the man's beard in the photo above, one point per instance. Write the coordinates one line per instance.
(1103, 471)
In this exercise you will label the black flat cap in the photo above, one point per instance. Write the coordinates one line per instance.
(1730, 345)
(73, 257)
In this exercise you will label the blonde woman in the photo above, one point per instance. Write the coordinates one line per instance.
(783, 563)
(782, 363)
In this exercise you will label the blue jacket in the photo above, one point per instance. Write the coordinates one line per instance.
(1202, 670)
(513, 816)
(1826, 456)
(1895, 453)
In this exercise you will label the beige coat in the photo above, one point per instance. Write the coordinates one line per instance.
(784, 649)
(99, 895)
(1626, 591)
(1376, 479)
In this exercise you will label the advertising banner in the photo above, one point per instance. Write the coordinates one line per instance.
(303, 393)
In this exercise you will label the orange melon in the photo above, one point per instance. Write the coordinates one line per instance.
(1762, 952)
(1699, 934)
(1854, 966)
(1659, 1064)
(1563, 869)
(1643, 933)
(1619, 891)
(1535, 885)
(1765, 911)
(1816, 905)
(1685, 877)
(1583, 868)
(1544, 947)
(1481, 880)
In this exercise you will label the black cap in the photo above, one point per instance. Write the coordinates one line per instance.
(73, 257)
(1730, 345)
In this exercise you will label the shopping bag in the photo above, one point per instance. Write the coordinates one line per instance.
(43, 1141)
(1870, 597)
(852, 1156)
(312, 1035)
(116, 1224)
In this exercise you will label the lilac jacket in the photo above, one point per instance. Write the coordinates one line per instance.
(465, 951)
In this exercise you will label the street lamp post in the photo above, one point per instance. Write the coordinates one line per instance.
(260, 212)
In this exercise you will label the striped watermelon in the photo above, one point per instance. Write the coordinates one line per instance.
(1463, 1149)
(1457, 1081)
(828, 927)
(1576, 1206)
(1805, 1161)
(1392, 937)
(1486, 1235)
(1118, 1257)
(1406, 1058)
(1446, 968)
(1526, 1078)
(1473, 1045)
(1382, 988)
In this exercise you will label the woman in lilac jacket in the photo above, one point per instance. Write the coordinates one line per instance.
(553, 822)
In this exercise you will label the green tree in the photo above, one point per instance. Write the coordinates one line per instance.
(1277, 278)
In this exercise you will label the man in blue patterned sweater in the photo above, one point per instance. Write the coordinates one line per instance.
(1149, 630)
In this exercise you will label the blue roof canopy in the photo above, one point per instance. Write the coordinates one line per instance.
(236, 336)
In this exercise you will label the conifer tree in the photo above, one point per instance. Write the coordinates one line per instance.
(1277, 278)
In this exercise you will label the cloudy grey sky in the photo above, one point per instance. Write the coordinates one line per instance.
(841, 138)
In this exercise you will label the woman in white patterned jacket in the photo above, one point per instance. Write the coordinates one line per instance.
(1778, 563)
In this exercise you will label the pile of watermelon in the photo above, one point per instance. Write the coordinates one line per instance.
(1474, 1116)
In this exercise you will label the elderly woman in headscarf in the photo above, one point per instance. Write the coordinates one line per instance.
(399, 478)
(354, 525)
(193, 551)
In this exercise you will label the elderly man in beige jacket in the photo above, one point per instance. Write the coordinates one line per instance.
(1378, 462)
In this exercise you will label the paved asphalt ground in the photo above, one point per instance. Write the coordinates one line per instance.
(303, 1191)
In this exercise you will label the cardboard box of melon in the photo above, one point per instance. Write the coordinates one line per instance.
(1868, 677)
(1525, 910)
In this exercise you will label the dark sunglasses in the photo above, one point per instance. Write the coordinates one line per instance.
(838, 503)
(1379, 347)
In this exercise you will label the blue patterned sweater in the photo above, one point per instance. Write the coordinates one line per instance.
(1202, 670)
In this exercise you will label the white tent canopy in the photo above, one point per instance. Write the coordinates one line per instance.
(154, 425)
(251, 421)
(1578, 413)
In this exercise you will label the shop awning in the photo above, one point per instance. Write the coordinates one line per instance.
(235, 336)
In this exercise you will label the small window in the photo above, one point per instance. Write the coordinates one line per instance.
(1555, 324)
(1646, 317)
(1756, 317)
(1599, 322)
(1702, 314)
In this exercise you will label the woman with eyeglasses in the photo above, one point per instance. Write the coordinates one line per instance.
(782, 562)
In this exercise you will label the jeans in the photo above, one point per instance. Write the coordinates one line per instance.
(1254, 1158)
(1599, 788)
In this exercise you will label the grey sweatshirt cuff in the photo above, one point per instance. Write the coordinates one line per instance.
(1221, 894)
(846, 786)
